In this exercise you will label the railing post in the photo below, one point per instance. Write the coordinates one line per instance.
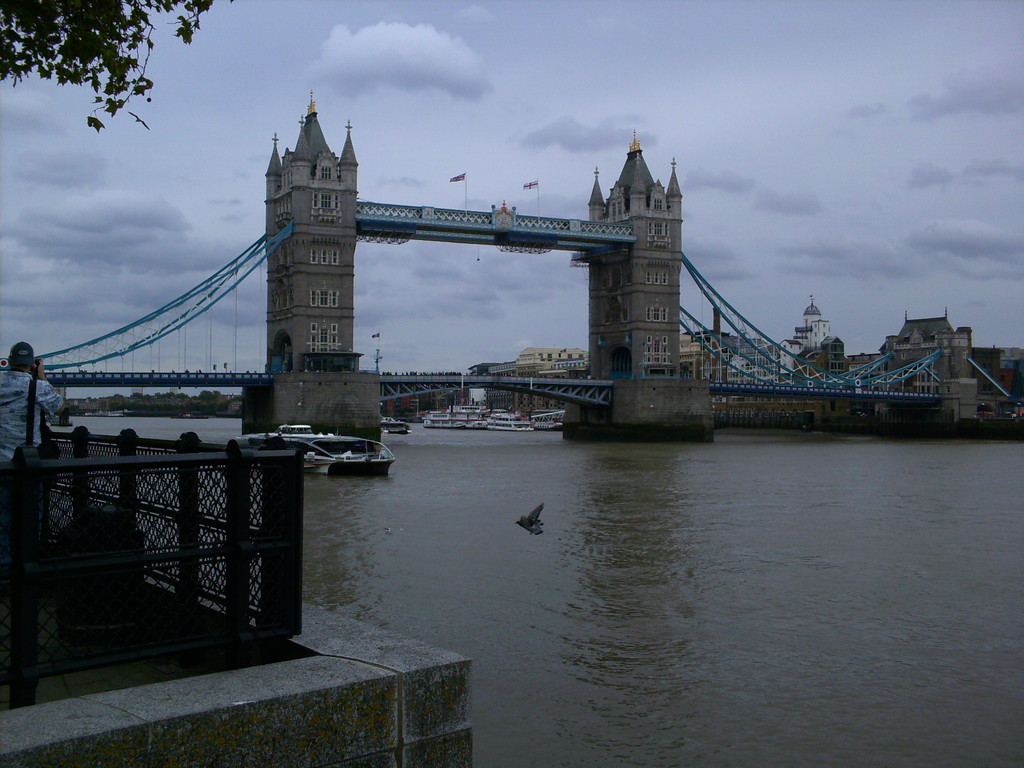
(127, 445)
(187, 588)
(25, 505)
(238, 471)
(79, 477)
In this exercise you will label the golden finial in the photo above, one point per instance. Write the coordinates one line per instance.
(635, 144)
(312, 104)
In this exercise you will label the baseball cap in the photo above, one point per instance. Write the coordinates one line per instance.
(22, 354)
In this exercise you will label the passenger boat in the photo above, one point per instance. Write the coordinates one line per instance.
(394, 426)
(508, 422)
(330, 454)
(457, 417)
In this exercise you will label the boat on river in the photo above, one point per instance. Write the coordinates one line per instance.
(457, 417)
(505, 421)
(394, 426)
(330, 454)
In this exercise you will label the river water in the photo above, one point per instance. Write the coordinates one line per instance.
(770, 599)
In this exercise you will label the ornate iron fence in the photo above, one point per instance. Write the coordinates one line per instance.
(122, 549)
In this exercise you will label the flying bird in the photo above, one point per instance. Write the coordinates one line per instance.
(532, 522)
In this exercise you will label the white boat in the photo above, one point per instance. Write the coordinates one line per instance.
(457, 417)
(330, 454)
(394, 426)
(508, 422)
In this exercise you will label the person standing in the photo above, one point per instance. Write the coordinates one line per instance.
(16, 385)
(23, 384)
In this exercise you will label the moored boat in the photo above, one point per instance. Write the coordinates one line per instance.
(330, 454)
(457, 417)
(505, 421)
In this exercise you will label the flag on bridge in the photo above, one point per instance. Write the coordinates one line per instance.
(460, 177)
(375, 336)
(532, 184)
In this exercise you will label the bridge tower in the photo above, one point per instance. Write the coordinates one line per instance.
(634, 294)
(311, 276)
(634, 316)
(311, 293)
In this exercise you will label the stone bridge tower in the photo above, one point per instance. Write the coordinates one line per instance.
(634, 294)
(310, 277)
(634, 317)
(311, 293)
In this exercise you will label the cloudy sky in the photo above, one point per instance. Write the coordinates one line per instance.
(866, 153)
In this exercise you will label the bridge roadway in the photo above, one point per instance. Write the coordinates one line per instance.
(580, 391)
(505, 228)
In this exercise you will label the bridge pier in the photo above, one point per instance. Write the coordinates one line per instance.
(646, 410)
(344, 403)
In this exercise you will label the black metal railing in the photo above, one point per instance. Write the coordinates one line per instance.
(120, 549)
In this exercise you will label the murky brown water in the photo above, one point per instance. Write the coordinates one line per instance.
(771, 599)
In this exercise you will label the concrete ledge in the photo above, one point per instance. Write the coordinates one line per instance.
(369, 699)
(433, 684)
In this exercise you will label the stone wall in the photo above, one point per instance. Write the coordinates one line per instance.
(343, 403)
(669, 409)
(359, 696)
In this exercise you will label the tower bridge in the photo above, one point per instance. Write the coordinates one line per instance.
(630, 245)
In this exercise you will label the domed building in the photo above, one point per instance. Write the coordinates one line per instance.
(814, 343)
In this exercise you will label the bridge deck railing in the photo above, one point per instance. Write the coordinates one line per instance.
(122, 549)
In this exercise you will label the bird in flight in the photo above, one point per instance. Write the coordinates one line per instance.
(532, 522)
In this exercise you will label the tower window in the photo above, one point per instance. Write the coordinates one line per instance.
(657, 314)
(656, 277)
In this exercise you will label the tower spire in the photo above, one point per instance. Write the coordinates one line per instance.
(673, 192)
(312, 104)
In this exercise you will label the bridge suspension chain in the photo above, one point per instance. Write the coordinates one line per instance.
(172, 316)
(755, 356)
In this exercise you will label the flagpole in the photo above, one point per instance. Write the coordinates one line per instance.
(535, 184)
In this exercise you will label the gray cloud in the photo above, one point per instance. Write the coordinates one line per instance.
(63, 168)
(23, 109)
(402, 56)
(968, 241)
(986, 169)
(986, 92)
(845, 259)
(716, 262)
(571, 135)
(928, 175)
(867, 111)
(725, 181)
(403, 181)
(475, 13)
(793, 204)
(109, 227)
